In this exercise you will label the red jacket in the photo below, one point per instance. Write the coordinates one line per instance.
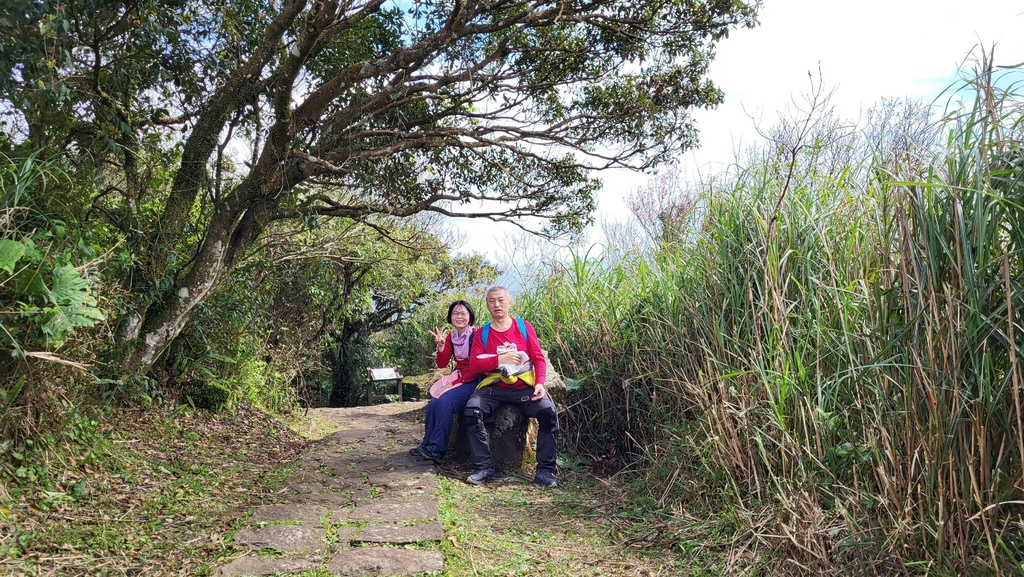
(509, 340)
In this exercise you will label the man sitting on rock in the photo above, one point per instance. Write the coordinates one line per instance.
(503, 342)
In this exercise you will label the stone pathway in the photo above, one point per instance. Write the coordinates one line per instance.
(356, 504)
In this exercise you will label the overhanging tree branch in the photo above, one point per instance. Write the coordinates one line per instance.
(358, 108)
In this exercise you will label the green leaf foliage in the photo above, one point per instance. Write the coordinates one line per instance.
(47, 305)
(73, 304)
(44, 298)
(10, 252)
(206, 396)
(356, 111)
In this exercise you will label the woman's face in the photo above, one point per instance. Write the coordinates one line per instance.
(460, 317)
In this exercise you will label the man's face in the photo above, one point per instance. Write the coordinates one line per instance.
(498, 304)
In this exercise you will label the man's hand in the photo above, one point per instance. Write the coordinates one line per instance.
(510, 358)
(538, 392)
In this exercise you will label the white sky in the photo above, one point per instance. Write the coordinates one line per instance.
(867, 50)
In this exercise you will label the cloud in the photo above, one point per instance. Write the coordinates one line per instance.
(867, 51)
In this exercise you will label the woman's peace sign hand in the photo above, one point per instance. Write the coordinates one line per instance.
(439, 337)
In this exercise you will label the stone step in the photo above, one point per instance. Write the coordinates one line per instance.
(351, 494)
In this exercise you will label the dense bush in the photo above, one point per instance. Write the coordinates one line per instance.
(206, 396)
(48, 300)
(829, 347)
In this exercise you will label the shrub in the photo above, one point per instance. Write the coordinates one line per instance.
(207, 396)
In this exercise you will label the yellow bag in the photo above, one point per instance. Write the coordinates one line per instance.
(493, 377)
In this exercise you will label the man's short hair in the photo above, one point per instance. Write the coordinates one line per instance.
(496, 288)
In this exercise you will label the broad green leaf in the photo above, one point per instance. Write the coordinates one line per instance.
(573, 384)
(29, 282)
(74, 305)
(10, 252)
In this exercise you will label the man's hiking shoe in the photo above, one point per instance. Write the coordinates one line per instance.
(480, 477)
(546, 478)
(415, 451)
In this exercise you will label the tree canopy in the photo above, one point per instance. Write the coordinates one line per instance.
(202, 123)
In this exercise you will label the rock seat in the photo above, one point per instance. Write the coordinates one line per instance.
(513, 437)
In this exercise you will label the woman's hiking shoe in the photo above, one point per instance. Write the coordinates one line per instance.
(433, 454)
(428, 451)
(480, 477)
(546, 478)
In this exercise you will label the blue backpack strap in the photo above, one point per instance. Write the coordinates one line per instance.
(486, 330)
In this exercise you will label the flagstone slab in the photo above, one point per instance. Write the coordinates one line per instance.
(405, 477)
(347, 464)
(363, 474)
(413, 491)
(283, 538)
(400, 534)
(306, 514)
(302, 488)
(394, 510)
(311, 460)
(370, 455)
(308, 476)
(381, 561)
(253, 565)
(330, 500)
(405, 459)
(339, 484)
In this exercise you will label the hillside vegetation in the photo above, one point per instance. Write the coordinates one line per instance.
(807, 364)
(822, 346)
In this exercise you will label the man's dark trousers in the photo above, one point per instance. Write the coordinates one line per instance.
(482, 405)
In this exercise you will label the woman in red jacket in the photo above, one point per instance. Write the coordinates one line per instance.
(449, 394)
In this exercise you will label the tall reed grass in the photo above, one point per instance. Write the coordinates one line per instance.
(832, 351)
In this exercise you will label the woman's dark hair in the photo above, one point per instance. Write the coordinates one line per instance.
(469, 307)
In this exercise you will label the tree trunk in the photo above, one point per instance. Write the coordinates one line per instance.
(347, 388)
(171, 314)
(227, 236)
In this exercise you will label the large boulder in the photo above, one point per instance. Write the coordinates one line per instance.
(513, 437)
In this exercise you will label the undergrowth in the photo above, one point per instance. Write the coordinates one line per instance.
(155, 492)
(587, 526)
(163, 492)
